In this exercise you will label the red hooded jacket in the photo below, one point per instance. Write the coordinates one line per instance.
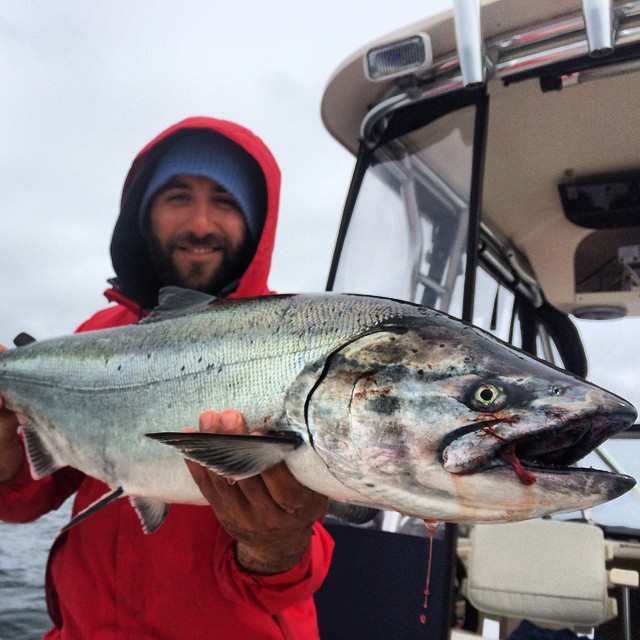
(106, 579)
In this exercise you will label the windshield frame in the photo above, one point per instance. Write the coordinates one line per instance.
(555, 337)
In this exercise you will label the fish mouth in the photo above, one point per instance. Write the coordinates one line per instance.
(564, 445)
(500, 442)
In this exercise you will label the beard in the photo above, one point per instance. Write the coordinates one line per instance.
(234, 262)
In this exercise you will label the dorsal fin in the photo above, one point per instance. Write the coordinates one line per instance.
(174, 302)
(23, 339)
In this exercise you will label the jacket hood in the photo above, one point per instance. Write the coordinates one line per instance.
(136, 277)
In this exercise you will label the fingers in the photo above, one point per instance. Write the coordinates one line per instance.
(221, 492)
(218, 492)
(269, 515)
(8, 419)
(274, 485)
(284, 489)
(273, 490)
(227, 421)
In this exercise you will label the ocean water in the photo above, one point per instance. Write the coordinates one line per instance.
(23, 557)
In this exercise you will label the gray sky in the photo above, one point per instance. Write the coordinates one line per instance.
(85, 85)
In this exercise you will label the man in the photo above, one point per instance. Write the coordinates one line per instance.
(198, 210)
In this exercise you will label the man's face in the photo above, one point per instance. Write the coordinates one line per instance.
(199, 235)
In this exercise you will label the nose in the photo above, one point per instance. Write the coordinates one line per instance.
(202, 219)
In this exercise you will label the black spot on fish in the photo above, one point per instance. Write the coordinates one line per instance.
(119, 367)
(384, 405)
(182, 368)
(370, 485)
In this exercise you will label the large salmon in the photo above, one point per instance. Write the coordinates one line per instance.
(369, 401)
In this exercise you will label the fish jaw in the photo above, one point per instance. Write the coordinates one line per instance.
(493, 496)
(528, 460)
(406, 421)
(559, 428)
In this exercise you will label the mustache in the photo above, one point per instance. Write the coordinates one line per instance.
(188, 238)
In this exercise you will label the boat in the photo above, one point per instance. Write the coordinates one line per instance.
(497, 178)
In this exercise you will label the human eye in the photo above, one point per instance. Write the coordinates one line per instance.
(176, 195)
(226, 201)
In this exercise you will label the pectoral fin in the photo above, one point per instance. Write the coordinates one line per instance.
(42, 462)
(230, 455)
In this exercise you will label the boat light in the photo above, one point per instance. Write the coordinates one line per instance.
(409, 55)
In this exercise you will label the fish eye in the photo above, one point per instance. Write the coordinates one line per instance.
(487, 396)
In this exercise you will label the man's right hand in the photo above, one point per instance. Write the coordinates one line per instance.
(11, 450)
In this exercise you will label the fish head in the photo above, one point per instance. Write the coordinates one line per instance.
(455, 425)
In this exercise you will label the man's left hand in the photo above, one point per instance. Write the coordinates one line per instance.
(270, 516)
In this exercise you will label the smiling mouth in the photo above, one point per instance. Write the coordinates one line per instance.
(198, 250)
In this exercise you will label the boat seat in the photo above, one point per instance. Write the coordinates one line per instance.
(376, 582)
(548, 571)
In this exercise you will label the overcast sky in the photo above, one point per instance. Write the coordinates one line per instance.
(85, 85)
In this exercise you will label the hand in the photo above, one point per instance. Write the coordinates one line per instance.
(270, 516)
(11, 451)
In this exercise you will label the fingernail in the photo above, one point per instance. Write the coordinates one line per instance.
(292, 510)
(229, 421)
(206, 421)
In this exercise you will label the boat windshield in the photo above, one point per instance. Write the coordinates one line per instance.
(408, 230)
(407, 239)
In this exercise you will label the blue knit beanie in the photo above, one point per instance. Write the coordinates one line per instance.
(218, 158)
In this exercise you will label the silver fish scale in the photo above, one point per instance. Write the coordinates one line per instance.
(144, 354)
(105, 389)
